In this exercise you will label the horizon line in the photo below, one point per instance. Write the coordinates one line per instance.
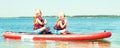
(66, 16)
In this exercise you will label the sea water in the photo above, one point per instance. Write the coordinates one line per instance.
(77, 25)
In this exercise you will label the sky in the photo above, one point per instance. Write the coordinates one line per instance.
(16, 8)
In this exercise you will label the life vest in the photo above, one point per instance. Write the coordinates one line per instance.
(36, 24)
(57, 25)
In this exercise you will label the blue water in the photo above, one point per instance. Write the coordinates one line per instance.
(78, 25)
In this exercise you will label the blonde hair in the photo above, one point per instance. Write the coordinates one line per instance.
(37, 11)
(61, 14)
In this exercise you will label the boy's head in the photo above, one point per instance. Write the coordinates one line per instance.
(38, 12)
(61, 15)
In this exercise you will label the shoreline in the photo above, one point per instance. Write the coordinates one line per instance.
(97, 16)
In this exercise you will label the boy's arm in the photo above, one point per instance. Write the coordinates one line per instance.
(39, 22)
(63, 25)
(45, 21)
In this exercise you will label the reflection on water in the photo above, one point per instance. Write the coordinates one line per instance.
(56, 44)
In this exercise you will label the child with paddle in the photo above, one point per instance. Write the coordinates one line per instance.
(60, 25)
(39, 23)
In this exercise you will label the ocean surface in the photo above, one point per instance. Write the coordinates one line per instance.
(77, 25)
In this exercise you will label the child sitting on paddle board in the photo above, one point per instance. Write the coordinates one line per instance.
(39, 22)
(60, 25)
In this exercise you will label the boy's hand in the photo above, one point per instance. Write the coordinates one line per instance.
(65, 21)
(45, 22)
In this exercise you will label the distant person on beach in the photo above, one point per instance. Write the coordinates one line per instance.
(60, 25)
(39, 23)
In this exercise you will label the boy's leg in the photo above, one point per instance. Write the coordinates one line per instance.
(64, 31)
(42, 29)
(57, 32)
